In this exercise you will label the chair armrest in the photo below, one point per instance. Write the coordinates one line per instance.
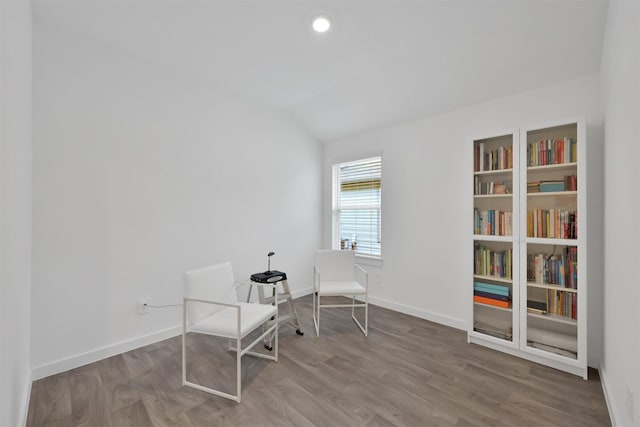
(366, 275)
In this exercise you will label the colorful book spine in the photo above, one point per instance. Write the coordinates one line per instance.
(550, 152)
(489, 301)
(490, 287)
(488, 262)
(552, 223)
(492, 295)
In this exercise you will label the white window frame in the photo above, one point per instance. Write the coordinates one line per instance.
(336, 208)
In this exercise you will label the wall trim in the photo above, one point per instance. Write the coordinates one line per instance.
(26, 398)
(421, 313)
(81, 359)
(608, 397)
(403, 308)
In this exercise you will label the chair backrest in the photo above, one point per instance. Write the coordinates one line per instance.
(212, 283)
(335, 265)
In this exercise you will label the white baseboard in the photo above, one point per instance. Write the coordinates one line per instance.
(78, 360)
(418, 312)
(406, 309)
(301, 292)
(26, 397)
(608, 398)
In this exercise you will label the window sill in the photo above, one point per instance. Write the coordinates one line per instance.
(369, 260)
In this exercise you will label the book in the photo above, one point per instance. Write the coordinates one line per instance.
(551, 186)
(539, 306)
(502, 290)
(489, 301)
(533, 187)
(496, 295)
(491, 295)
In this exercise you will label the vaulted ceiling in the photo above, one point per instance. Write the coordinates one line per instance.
(383, 62)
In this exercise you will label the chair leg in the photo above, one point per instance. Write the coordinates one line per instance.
(366, 315)
(316, 313)
(365, 329)
(184, 346)
(184, 360)
(239, 370)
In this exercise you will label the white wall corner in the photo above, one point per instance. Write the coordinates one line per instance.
(26, 398)
(608, 397)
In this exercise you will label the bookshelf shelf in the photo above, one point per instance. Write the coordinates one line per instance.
(493, 278)
(492, 238)
(552, 287)
(553, 193)
(492, 196)
(550, 241)
(493, 307)
(494, 172)
(554, 318)
(557, 338)
(557, 167)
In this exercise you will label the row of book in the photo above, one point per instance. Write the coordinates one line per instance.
(504, 187)
(498, 159)
(491, 294)
(557, 302)
(568, 183)
(552, 223)
(488, 262)
(492, 222)
(561, 269)
(552, 151)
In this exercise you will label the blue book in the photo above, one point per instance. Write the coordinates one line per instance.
(501, 290)
(548, 187)
(492, 286)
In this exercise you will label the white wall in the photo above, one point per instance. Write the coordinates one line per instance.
(140, 175)
(15, 211)
(427, 201)
(621, 82)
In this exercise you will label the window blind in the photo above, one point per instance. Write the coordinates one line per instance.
(357, 197)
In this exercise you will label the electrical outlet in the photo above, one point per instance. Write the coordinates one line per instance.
(143, 305)
(630, 401)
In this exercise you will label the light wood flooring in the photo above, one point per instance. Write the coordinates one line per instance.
(408, 372)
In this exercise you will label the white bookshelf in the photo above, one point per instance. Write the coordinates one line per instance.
(496, 324)
(549, 259)
(566, 320)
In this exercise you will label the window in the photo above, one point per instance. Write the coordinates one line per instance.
(357, 192)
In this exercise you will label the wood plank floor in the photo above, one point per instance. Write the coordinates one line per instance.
(408, 372)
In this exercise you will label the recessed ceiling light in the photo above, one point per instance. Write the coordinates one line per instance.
(321, 23)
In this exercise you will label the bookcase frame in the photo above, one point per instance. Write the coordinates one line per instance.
(497, 241)
(522, 245)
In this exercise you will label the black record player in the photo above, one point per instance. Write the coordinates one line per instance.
(272, 276)
(269, 276)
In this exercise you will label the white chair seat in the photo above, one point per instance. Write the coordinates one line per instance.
(335, 273)
(331, 288)
(211, 307)
(224, 323)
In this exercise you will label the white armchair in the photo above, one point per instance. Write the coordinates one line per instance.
(337, 274)
(211, 307)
